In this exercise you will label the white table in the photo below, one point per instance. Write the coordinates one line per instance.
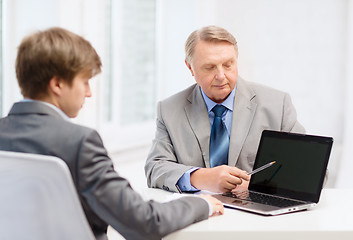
(331, 219)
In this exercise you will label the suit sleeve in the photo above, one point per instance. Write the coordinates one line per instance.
(162, 167)
(114, 201)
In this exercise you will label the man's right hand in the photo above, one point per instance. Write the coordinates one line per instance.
(218, 179)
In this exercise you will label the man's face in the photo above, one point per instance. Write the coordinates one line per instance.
(73, 97)
(215, 68)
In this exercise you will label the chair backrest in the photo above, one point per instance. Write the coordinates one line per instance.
(38, 199)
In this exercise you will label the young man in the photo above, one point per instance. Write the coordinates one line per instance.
(53, 69)
(186, 152)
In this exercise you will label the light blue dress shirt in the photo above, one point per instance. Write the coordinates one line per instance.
(184, 182)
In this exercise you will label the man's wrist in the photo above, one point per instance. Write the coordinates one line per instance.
(198, 178)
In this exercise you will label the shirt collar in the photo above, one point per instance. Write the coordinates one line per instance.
(228, 103)
(58, 110)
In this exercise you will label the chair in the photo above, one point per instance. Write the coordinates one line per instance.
(38, 199)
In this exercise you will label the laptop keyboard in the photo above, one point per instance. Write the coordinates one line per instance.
(263, 198)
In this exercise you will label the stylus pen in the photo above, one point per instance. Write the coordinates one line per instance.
(261, 168)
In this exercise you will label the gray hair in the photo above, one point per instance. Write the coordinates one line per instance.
(208, 34)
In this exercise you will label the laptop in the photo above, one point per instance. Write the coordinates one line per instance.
(294, 179)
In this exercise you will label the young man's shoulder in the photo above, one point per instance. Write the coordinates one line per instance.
(74, 129)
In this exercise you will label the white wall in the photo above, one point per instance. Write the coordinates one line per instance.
(344, 177)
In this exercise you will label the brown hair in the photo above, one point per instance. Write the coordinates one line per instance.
(208, 34)
(53, 52)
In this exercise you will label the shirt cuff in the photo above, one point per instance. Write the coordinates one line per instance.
(184, 181)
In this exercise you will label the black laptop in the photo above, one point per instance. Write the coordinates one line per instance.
(292, 183)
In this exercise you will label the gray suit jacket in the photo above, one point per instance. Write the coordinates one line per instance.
(107, 198)
(183, 130)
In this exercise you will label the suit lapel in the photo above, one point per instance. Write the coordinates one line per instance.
(243, 114)
(196, 113)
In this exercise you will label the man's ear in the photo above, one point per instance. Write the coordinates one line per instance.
(189, 67)
(55, 85)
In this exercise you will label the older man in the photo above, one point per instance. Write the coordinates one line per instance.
(207, 135)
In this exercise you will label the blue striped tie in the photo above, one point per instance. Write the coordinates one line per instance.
(219, 140)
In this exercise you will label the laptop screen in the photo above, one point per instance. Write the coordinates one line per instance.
(300, 168)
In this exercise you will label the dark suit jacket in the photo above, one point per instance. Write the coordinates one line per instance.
(107, 198)
(183, 130)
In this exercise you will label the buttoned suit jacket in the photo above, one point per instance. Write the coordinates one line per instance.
(183, 130)
(107, 198)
